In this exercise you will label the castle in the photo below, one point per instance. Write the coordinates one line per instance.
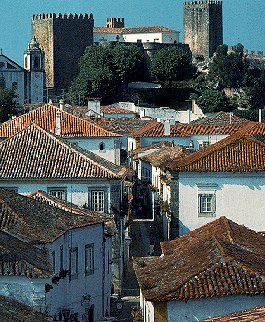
(203, 27)
(63, 38)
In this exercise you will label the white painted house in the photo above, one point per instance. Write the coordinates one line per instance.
(115, 31)
(35, 159)
(78, 131)
(73, 250)
(225, 178)
(215, 270)
(28, 82)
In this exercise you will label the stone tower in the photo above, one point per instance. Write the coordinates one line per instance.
(63, 38)
(35, 80)
(203, 26)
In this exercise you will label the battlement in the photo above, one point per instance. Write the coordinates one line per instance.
(60, 16)
(203, 3)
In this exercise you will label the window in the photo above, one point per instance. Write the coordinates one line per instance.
(14, 86)
(61, 258)
(73, 262)
(97, 200)
(59, 193)
(206, 204)
(102, 147)
(53, 261)
(204, 144)
(89, 259)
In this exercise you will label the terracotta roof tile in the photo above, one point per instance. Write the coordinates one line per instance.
(236, 153)
(13, 311)
(18, 257)
(123, 126)
(45, 116)
(218, 259)
(115, 110)
(156, 145)
(35, 153)
(222, 118)
(255, 314)
(92, 216)
(132, 30)
(38, 222)
(165, 155)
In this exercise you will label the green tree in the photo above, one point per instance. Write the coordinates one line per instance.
(7, 101)
(212, 100)
(172, 64)
(96, 77)
(130, 63)
(228, 69)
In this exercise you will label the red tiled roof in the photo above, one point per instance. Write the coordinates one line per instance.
(122, 126)
(132, 30)
(236, 153)
(13, 311)
(156, 145)
(38, 222)
(93, 216)
(218, 259)
(45, 116)
(156, 129)
(18, 257)
(252, 315)
(115, 110)
(222, 118)
(35, 153)
(165, 155)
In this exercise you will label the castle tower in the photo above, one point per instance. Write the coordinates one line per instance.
(115, 23)
(35, 80)
(63, 38)
(203, 26)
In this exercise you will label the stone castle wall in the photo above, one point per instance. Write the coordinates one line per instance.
(64, 39)
(203, 26)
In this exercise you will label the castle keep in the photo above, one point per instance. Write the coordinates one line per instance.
(203, 26)
(63, 38)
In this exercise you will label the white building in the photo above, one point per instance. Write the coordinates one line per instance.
(215, 270)
(80, 132)
(73, 250)
(34, 159)
(28, 82)
(225, 178)
(115, 31)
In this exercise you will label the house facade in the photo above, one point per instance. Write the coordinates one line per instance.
(227, 255)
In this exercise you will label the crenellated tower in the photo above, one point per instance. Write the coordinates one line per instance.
(203, 26)
(63, 38)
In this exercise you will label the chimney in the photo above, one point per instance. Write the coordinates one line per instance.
(61, 103)
(260, 115)
(166, 128)
(188, 116)
(58, 123)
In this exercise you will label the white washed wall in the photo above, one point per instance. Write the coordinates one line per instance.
(200, 309)
(211, 138)
(112, 146)
(239, 197)
(69, 292)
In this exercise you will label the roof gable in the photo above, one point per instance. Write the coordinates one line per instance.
(10, 64)
(229, 260)
(236, 153)
(35, 153)
(45, 116)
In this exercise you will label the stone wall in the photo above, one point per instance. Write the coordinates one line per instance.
(203, 26)
(63, 39)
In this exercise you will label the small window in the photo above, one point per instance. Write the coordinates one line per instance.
(204, 144)
(102, 147)
(97, 200)
(73, 262)
(61, 258)
(14, 86)
(89, 259)
(59, 193)
(53, 261)
(36, 63)
(206, 204)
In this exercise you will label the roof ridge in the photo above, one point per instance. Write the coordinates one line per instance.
(228, 229)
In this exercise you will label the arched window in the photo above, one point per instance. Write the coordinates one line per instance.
(102, 146)
(36, 63)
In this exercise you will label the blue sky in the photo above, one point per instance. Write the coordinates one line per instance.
(243, 19)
